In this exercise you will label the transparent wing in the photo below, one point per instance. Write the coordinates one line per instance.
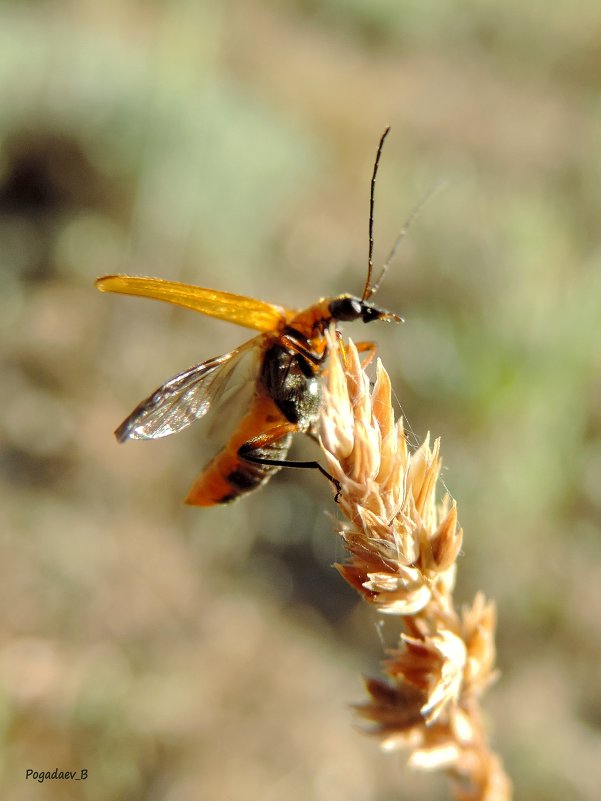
(184, 398)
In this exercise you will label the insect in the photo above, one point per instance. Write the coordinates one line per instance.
(269, 386)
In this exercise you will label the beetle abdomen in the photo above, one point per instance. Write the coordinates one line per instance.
(229, 475)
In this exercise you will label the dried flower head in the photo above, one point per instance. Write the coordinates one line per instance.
(402, 547)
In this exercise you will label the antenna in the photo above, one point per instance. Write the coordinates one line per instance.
(368, 291)
(406, 226)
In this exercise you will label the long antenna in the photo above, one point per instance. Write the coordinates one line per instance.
(407, 225)
(368, 291)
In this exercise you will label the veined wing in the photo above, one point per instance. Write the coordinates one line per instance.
(185, 398)
(237, 309)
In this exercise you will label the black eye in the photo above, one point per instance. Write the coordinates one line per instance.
(346, 309)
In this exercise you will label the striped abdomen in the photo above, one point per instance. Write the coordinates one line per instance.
(267, 434)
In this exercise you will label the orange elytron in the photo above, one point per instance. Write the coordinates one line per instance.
(270, 385)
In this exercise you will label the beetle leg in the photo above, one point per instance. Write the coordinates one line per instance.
(297, 347)
(246, 452)
(367, 347)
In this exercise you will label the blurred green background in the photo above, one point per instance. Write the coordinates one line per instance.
(181, 653)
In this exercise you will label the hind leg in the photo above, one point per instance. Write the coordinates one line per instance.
(248, 453)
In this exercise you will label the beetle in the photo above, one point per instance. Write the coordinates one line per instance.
(270, 384)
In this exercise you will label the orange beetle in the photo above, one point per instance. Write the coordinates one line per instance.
(270, 384)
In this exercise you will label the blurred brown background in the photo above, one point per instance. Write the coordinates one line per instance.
(180, 653)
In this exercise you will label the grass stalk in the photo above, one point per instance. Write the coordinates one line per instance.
(402, 549)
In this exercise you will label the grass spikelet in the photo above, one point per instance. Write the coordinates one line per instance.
(402, 549)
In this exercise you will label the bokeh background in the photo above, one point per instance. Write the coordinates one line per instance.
(180, 653)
